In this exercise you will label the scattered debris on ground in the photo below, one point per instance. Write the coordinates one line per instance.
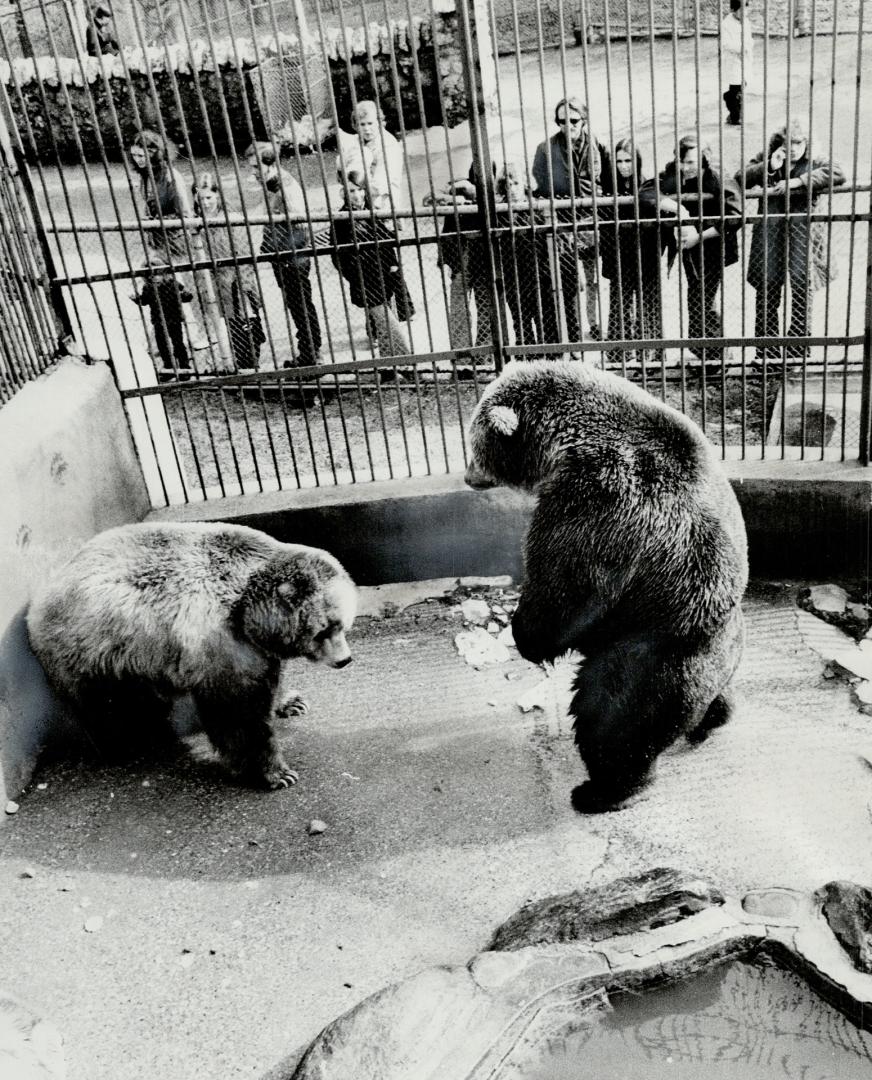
(851, 658)
(845, 608)
(478, 647)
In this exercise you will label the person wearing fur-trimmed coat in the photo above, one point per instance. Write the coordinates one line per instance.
(793, 247)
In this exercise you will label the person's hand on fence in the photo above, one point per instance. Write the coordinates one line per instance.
(786, 185)
(687, 236)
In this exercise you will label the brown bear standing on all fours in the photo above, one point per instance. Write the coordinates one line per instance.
(144, 613)
(636, 557)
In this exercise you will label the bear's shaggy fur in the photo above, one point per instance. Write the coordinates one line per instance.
(636, 557)
(144, 613)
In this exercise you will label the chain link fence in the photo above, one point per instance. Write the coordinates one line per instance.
(267, 330)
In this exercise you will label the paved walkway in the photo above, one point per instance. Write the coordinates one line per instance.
(176, 926)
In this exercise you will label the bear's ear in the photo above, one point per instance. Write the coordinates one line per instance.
(503, 419)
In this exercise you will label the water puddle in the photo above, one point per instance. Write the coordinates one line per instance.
(743, 1021)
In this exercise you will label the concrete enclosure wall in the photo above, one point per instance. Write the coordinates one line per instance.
(804, 520)
(67, 471)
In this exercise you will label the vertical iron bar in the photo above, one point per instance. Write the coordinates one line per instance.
(484, 179)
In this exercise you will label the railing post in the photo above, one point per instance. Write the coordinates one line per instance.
(473, 65)
(866, 395)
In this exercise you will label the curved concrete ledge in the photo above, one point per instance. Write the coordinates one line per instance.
(486, 1019)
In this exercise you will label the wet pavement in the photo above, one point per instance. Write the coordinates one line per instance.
(173, 924)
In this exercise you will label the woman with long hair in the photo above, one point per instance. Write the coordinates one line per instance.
(164, 195)
(787, 248)
(630, 252)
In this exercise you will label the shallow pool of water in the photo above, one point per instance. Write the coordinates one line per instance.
(742, 1021)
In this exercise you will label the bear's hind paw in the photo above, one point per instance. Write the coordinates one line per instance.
(590, 798)
(293, 705)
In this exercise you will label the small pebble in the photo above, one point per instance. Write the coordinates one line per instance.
(317, 827)
(93, 924)
(11, 807)
(28, 872)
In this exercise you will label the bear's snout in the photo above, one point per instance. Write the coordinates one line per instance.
(333, 652)
(477, 478)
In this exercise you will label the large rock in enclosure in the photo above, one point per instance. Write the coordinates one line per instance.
(847, 907)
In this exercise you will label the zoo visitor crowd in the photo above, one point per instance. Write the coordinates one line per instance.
(690, 212)
(611, 223)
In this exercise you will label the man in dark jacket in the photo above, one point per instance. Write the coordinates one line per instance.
(568, 165)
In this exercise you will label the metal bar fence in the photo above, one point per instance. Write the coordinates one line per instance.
(334, 232)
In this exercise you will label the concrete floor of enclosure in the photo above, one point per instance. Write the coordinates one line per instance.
(174, 925)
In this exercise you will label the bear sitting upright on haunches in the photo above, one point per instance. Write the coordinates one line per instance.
(144, 613)
(636, 556)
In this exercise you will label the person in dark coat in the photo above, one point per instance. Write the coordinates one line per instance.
(461, 251)
(165, 294)
(365, 253)
(568, 165)
(285, 239)
(100, 37)
(630, 253)
(691, 189)
(524, 258)
(782, 247)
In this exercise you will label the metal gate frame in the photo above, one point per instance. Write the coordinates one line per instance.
(475, 18)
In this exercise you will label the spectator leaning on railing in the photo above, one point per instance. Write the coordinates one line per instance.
(787, 247)
(461, 250)
(366, 255)
(691, 188)
(524, 258)
(284, 239)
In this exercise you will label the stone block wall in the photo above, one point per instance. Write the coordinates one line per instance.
(561, 22)
(71, 110)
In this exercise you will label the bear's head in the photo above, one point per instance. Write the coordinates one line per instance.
(299, 603)
(541, 417)
(517, 425)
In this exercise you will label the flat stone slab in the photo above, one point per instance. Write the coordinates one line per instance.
(488, 1021)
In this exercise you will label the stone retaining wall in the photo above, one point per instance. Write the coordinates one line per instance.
(66, 109)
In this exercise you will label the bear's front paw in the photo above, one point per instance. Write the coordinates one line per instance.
(280, 776)
(293, 705)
